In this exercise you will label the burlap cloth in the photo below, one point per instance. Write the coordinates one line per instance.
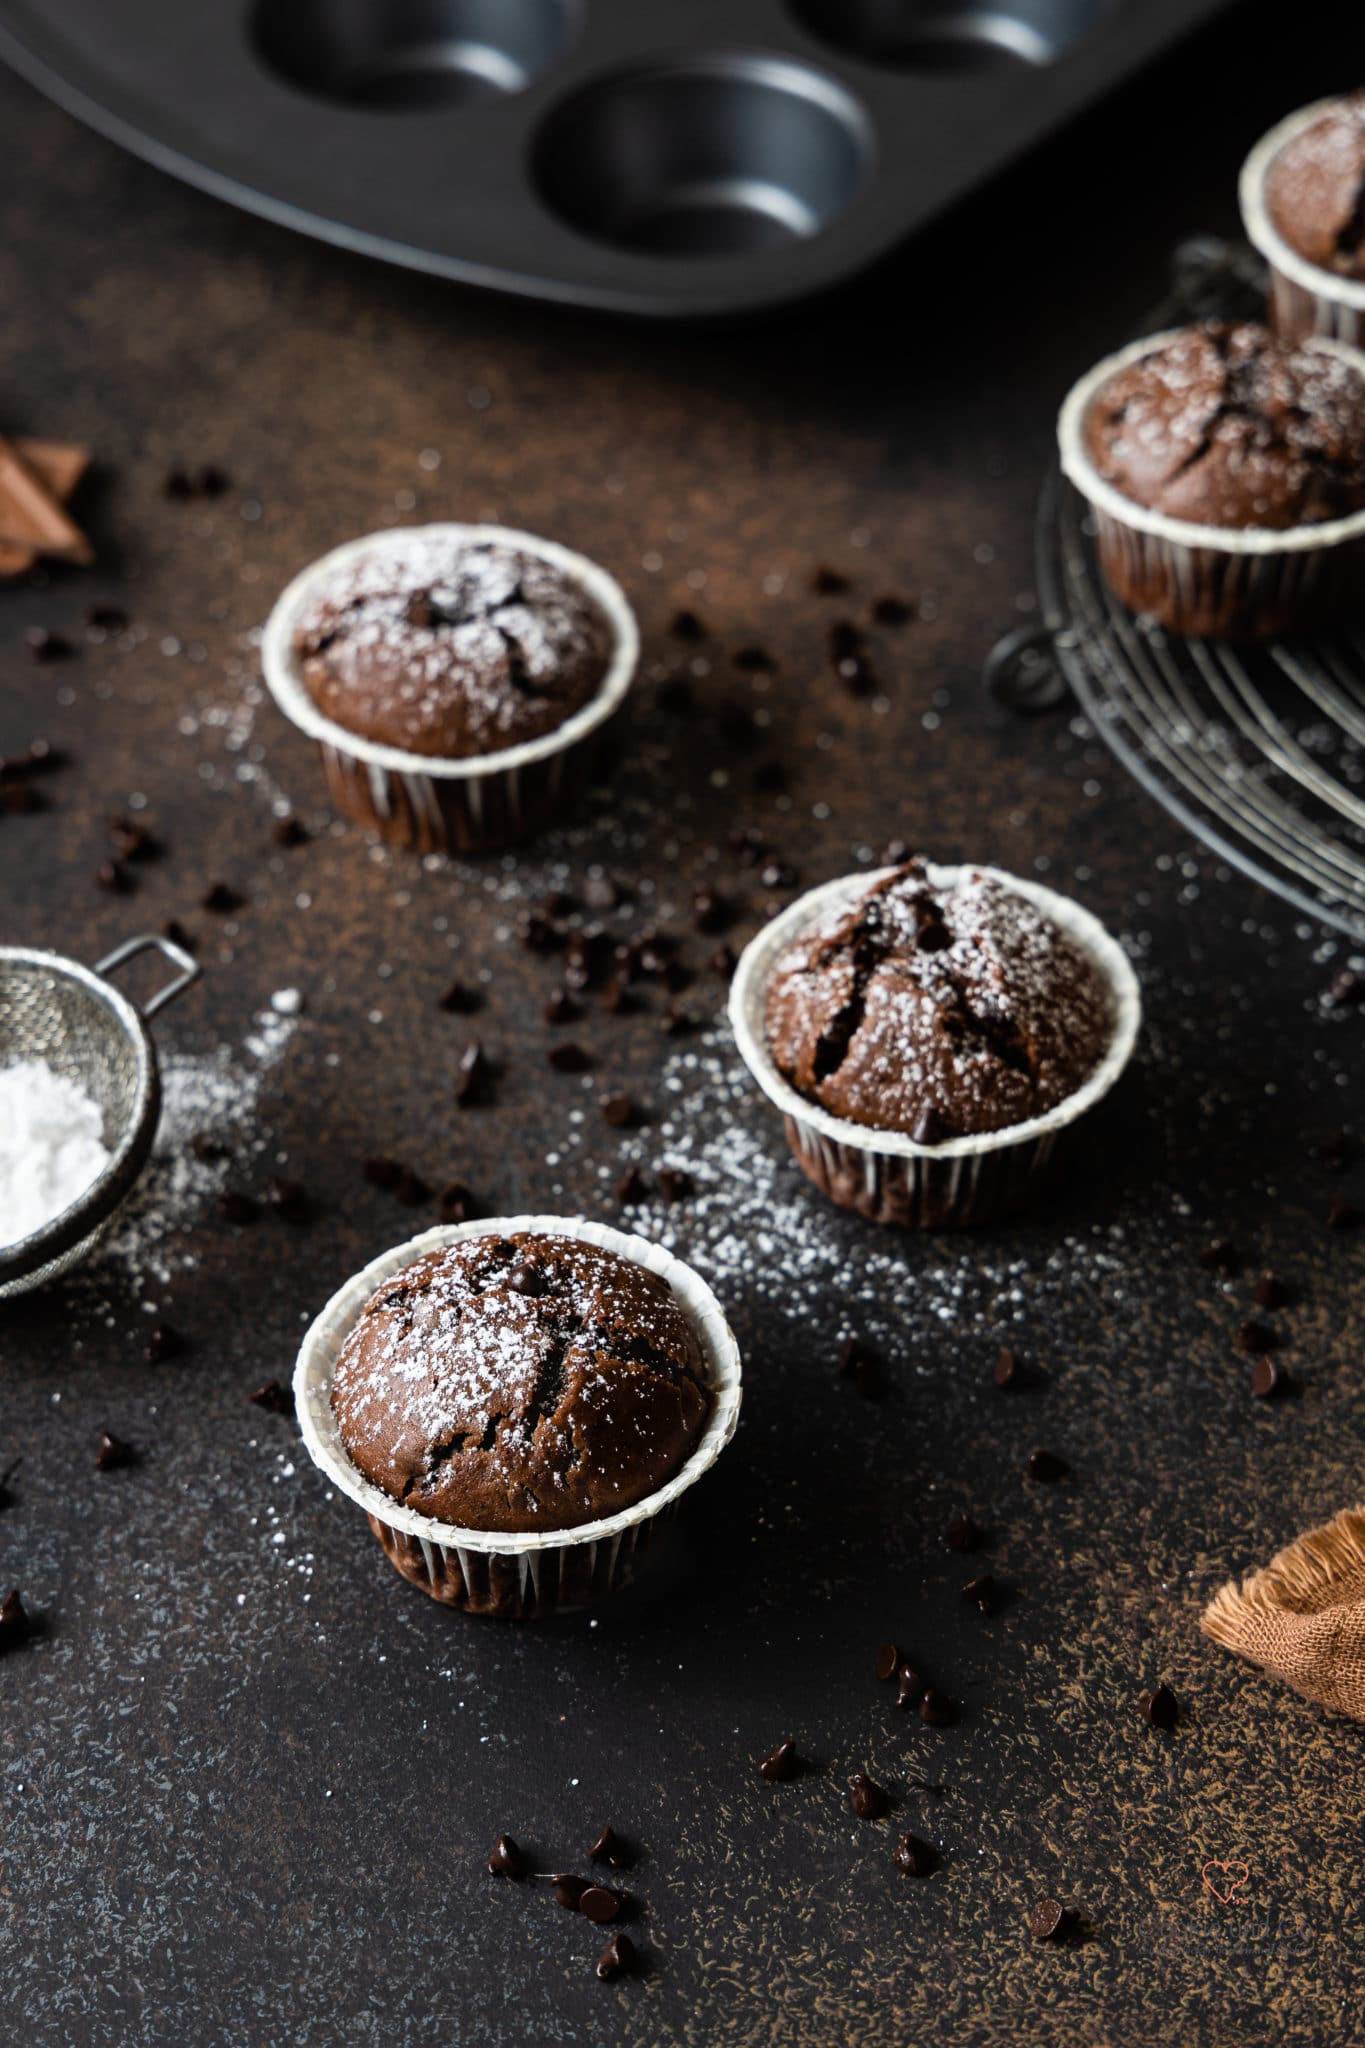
(1302, 1618)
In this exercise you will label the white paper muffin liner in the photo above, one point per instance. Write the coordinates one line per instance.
(1210, 581)
(519, 1576)
(1304, 299)
(482, 801)
(885, 1175)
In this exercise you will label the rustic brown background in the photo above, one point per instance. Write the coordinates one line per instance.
(248, 1783)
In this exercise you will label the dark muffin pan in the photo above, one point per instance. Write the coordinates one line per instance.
(650, 156)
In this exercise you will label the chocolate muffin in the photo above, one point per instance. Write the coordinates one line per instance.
(451, 648)
(522, 1383)
(1315, 190)
(1223, 426)
(941, 1013)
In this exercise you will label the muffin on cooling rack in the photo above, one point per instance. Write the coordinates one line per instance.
(1226, 473)
(1303, 206)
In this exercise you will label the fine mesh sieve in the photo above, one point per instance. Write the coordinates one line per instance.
(56, 1010)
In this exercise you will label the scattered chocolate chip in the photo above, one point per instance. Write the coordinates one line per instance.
(538, 933)
(1048, 1919)
(14, 1619)
(1009, 1372)
(457, 1204)
(177, 484)
(474, 1079)
(632, 1187)
(677, 1021)
(163, 1342)
(723, 962)
(617, 1959)
(894, 854)
(1267, 1380)
(1341, 1214)
(112, 875)
(506, 1859)
(568, 1890)
(676, 695)
(18, 798)
(178, 936)
(783, 1763)
(461, 1000)
(208, 1148)
(914, 1858)
(711, 912)
(893, 611)
(910, 1687)
(600, 1905)
(829, 583)
(1219, 1255)
(686, 625)
(1045, 1466)
(111, 1452)
(755, 661)
(273, 1398)
(223, 898)
(1160, 1707)
(46, 646)
(211, 481)
(983, 1590)
(290, 1199)
(618, 1111)
(609, 1848)
(1256, 1338)
(888, 1661)
(106, 618)
(675, 1184)
(527, 1279)
(868, 1801)
(237, 1207)
(569, 1058)
(1270, 1291)
(936, 1710)
(132, 841)
(933, 937)
(962, 1533)
(616, 999)
(931, 1127)
(383, 1173)
(410, 1189)
(561, 1008)
(289, 831)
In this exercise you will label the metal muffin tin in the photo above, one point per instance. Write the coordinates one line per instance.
(663, 157)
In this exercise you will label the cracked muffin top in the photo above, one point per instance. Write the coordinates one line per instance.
(938, 1012)
(1315, 189)
(521, 1383)
(449, 647)
(1223, 426)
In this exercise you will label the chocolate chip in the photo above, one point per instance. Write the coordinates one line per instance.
(894, 854)
(290, 1199)
(1160, 1707)
(410, 1189)
(527, 1279)
(754, 661)
(893, 611)
(211, 481)
(569, 1058)
(675, 1184)
(868, 1801)
(273, 1398)
(222, 897)
(676, 695)
(888, 1661)
(982, 1590)
(609, 1848)
(537, 933)
(1048, 1919)
(931, 1127)
(1270, 1291)
(474, 1077)
(1342, 1215)
(933, 937)
(962, 1533)
(461, 1000)
(910, 1687)
(176, 484)
(1256, 1338)
(289, 831)
(618, 1111)
(14, 1620)
(618, 1958)
(506, 1859)
(783, 1763)
(1045, 1466)
(914, 1858)
(561, 1008)
(112, 875)
(132, 841)
(936, 1710)
(106, 618)
(601, 1905)
(616, 999)
(1008, 1370)
(178, 936)
(111, 1452)
(457, 1204)
(163, 1342)
(677, 1021)
(632, 1187)
(1219, 1255)
(1266, 1379)
(711, 912)
(723, 962)
(383, 1173)
(829, 583)
(46, 646)
(569, 1890)
(686, 625)
(236, 1207)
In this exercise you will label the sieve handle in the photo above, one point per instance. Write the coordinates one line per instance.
(153, 942)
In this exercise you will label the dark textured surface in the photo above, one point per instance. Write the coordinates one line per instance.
(250, 1778)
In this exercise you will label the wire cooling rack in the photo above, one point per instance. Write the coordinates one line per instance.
(1258, 751)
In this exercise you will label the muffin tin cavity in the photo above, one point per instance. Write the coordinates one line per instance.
(720, 156)
(404, 54)
(949, 35)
